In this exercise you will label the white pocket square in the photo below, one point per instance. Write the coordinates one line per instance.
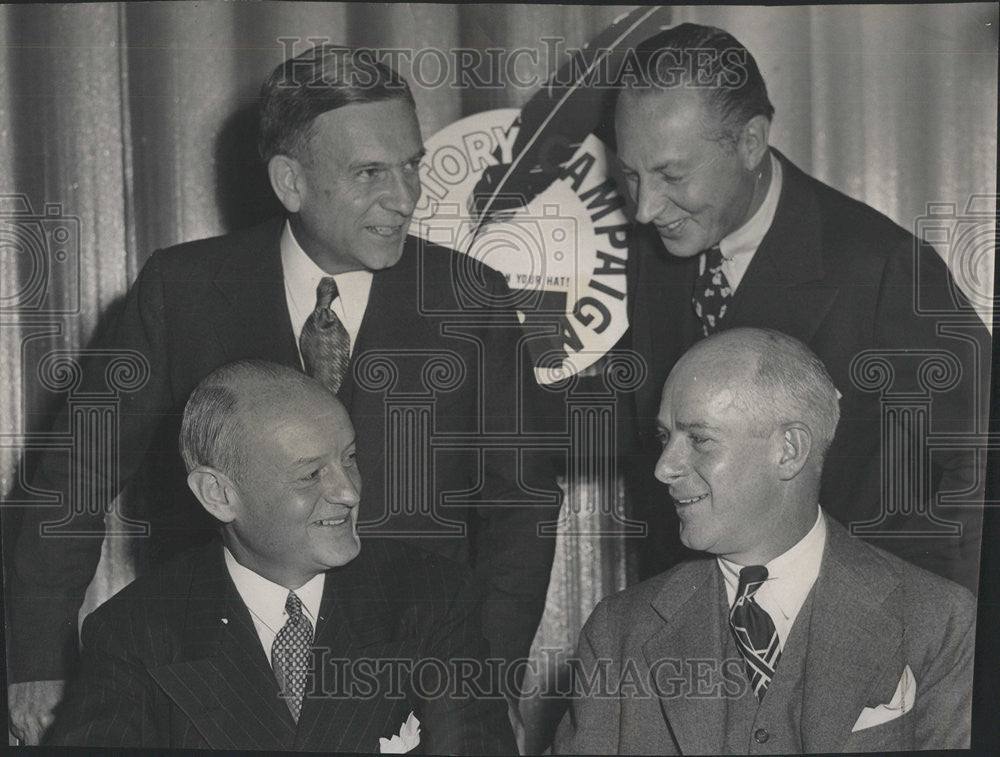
(407, 738)
(900, 704)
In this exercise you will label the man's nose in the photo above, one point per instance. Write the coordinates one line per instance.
(341, 489)
(403, 194)
(671, 464)
(650, 203)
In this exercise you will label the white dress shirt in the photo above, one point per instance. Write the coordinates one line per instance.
(739, 247)
(266, 600)
(790, 577)
(302, 276)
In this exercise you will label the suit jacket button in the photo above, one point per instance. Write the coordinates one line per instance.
(761, 735)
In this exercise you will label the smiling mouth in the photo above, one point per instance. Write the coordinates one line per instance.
(384, 231)
(332, 522)
(671, 228)
(690, 500)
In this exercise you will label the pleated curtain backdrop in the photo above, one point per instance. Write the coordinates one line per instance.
(138, 120)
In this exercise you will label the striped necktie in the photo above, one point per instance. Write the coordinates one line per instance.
(754, 631)
(325, 343)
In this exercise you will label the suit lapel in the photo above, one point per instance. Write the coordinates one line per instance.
(784, 288)
(341, 712)
(854, 632)
(690, 607)
(663, 325)
(391, 323)
(222, 680)
(250, 283)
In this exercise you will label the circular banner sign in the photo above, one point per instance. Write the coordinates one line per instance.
(565, 251)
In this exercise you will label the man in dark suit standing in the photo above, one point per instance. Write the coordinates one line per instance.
(409, 335)
(793, 637)
(281, 636)
(730, 233)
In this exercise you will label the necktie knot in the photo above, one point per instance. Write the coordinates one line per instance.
(752, 578)
(293, 606)
(326, 292)
(713, 258)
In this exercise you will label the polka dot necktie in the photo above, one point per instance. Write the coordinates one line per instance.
(711, 293)
(325, 343)
(756, 637)
(291, 655)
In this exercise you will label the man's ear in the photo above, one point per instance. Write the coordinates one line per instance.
(287, 181)
(796, 444)
(215, 491)
(753, 142)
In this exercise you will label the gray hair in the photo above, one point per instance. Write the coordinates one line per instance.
(212, 428)
(790, 383)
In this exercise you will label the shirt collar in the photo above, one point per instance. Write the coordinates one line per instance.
(747, 238)
(790, 575)
(302, 276)
(266, 599)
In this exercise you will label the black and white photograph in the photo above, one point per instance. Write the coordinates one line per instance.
(499, 379)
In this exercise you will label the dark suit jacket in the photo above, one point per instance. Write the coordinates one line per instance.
(839, 276)
(872, 614)
(173, 660)
(202, 304)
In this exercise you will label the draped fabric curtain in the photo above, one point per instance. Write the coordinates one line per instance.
(137, 120)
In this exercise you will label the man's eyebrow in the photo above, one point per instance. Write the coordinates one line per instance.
(663, 165)
(357, 165)
(666, 165)
(696, 426)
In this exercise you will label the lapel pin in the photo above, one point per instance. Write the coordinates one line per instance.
(225, 621)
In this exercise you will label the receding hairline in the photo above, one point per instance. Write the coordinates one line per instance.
(729, 352)
(253, 394)
(266, 395)
(774, 377)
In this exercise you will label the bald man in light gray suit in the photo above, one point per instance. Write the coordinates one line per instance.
(791, 636)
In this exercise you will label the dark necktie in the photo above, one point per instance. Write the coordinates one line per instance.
(754, 631)
(325, 344)
(291, 655)
(711, 293)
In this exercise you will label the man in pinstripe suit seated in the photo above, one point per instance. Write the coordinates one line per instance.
(285, 634)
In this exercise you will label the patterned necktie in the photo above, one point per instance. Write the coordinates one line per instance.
(754, 631)
(325, 344)
(291, 655)
(711, 293)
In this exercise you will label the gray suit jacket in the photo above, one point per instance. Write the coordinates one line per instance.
(652, 675)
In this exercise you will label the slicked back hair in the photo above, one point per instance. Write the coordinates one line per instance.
(321, 79)
(711, 61)
(212, 429)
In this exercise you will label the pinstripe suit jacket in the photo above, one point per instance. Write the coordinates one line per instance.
(200, 305)
(173, 661)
